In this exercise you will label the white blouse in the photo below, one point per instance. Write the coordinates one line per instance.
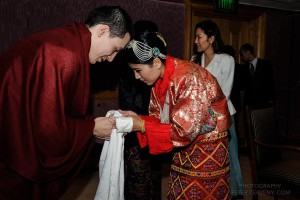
(222, 67)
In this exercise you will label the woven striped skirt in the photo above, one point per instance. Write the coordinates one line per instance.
(201, 170)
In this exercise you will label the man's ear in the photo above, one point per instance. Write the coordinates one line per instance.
(103, 29)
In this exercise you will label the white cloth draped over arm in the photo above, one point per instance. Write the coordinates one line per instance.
(111, 164)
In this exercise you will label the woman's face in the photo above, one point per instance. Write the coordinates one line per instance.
(202, 41)
(147, 73)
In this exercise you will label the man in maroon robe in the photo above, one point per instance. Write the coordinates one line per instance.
(45, 133)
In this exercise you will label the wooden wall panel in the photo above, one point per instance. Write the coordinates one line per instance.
(282, 48)
(19, 18)
(245, 26)
(275, 35)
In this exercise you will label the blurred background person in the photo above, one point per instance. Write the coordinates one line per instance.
(209, 44)
(235, 95)
(142, 170)
(257, 76)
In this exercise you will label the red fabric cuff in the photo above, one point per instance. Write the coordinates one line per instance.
(142, 139)
(157, 136)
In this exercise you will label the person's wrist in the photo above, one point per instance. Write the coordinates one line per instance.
(124, 124)
(143, 126)
(95, 134)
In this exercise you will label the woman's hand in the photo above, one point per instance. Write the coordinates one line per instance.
(103, 127)
(127, 113)
(137, 123)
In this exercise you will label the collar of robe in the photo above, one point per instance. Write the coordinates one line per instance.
(161, 86)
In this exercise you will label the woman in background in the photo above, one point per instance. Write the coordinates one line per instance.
(188, 115)
(209, 43)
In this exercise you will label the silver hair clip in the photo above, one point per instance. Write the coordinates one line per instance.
(143, 51)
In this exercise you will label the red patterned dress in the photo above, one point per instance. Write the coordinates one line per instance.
(188, 114)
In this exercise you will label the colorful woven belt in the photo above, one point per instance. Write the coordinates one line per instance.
(213, 136)
(203, 174)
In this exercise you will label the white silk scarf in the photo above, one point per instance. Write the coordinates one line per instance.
(111, 164)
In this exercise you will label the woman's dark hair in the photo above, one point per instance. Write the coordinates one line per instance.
(153, 40)
(140, 26)
(210, 28)
(115, 17)
(228, 49)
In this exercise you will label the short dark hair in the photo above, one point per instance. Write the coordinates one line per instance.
(247, 47)
(115, 17)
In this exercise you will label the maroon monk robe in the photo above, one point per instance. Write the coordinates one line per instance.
(45, 134)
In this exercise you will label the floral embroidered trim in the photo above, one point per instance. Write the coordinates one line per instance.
(214, 136)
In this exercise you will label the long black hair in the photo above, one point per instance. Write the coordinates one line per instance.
(210, 28)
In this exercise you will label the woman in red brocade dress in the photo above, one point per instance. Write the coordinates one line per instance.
(187, 114)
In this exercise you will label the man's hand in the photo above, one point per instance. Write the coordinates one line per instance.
(103, 127)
